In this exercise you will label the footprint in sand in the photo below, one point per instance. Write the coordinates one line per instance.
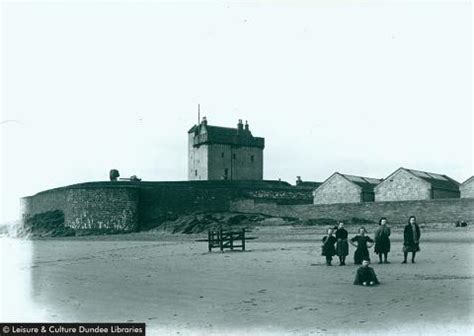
(152, 318)
(298, 308)
(262, 291)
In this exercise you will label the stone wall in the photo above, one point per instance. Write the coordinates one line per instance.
(402, 186)
(197, 160)
(159, 203)
(242, 163)
(128, 206)
(97, 206)
(467, 188)
(102, 208)
(337, 189)
(426, 211)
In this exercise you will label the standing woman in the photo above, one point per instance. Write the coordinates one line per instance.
(411, 239)
(382, 240)
(328, 246)
(342, 247)
(363, 244)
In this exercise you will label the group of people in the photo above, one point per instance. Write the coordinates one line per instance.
(336, 242)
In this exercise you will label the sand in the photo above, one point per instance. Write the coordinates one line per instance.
(280, 285)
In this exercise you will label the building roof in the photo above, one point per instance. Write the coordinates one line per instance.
(206, 134)
(366, 183)
(469, 180)
(437, 181)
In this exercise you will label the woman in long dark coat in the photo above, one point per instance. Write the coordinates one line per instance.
(382, 240)
(328, 249)
(363, 244)
(342, 247)
(411, 239)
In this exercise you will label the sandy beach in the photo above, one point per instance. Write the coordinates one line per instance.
(280, 285)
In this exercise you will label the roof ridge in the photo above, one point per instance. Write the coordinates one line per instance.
(363, 177)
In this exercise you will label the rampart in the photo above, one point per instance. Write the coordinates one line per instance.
(429, 211)
(131, 206)
(89, 206)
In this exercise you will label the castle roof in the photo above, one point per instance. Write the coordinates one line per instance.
(240, 136)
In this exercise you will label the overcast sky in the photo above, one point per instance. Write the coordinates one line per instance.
(361, 88)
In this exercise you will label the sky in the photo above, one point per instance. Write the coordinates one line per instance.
(358, 87)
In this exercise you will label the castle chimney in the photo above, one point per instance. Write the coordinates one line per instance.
(298, 180)
(247, 126)
(204, 121)
(240, 126)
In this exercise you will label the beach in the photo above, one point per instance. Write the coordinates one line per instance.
(279, 285)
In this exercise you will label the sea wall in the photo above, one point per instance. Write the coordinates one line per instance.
(131, 206)
(428, 211)
(89, 206)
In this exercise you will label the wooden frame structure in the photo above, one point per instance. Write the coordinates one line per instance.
(226, 239)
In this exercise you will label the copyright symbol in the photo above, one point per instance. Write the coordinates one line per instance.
(6, 329)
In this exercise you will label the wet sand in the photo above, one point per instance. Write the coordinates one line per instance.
(280, 285)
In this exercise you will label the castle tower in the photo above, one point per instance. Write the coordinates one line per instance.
(223, 153)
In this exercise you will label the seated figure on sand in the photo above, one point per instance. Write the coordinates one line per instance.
(365, 275)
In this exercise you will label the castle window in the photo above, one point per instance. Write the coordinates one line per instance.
(195, 173)
(234, 156)
(222, 154)
(252, 158)
(226, 173)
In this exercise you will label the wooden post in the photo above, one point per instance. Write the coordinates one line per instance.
(231, 239)
(221, 243)
(209, 240)
(243, 239)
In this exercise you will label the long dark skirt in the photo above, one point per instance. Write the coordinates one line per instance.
(342, 247)
(415, 247)
(328, 250)
(382, 245)
(361, 254)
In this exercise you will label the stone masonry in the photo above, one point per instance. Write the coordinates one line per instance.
(467, 188)
(337, 190)
(402, 186)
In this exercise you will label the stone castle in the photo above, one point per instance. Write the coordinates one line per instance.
(222, 153)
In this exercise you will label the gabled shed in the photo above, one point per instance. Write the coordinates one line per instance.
(344, 188)
(409, 184)
(467, 188)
